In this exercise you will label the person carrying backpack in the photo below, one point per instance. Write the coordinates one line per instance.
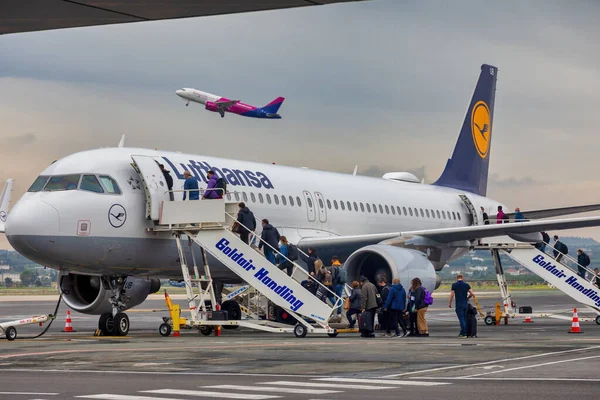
(560, 249)
(210, 192)
(338, 285)
(583, 260)
(420, 305)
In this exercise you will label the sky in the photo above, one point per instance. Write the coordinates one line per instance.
(383, 84)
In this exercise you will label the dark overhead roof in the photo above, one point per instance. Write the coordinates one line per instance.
(37, 15)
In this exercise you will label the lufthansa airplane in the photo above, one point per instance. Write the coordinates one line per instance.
(221, 104)
(85, 215)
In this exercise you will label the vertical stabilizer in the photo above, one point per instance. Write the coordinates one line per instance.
(467, 169)
(4, 203)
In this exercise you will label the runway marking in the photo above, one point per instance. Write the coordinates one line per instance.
(29, 394)
(216, 395)
(381, 381)
(425, 371)
(491, 378)
(327, 384)
(121, 372)
(534, 366)
(122, 397)
(271, 389)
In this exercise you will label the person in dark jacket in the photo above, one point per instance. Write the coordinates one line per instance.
(355, 304)
(560, 249)
(271, 236)
(486, 218)
(384, 291)
(190, 187)
(245, 218)
(412, 313)
(168, 179)
(310, 260)
(211, 192)
(583, 260)
(368, 303)
(420, 306)
(283, 258)
(395, 304)
(519, 217)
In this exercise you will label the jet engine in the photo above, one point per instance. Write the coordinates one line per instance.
(384, 261)
(211, 106)
(88, 294)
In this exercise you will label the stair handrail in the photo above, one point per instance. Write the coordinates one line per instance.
(568, 257)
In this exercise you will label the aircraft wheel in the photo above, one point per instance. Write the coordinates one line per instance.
(121, 324)
(334, 334)
(234, 312)
(164, 330)
(11, 333)
(206, 330)
(489, 320)
(598, 319)
(300, 331)
(106, 324)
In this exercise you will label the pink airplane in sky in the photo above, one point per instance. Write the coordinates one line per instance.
(221, 104)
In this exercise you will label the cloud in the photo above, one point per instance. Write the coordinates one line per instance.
(19, 140)
(512, 182)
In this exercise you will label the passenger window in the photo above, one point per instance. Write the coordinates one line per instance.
(453, 215)
(229, 196)
(321, 205)
(404, 209)
(309, 202)
(380, 209)
(443, 214)
(268, 198)
(260, 198)
(387, 210)
(329, 204)
(343, 207)
(368, 207)
(291, 201)
(90, 183)
(393, 210)
(438, 214)
(283, 200)
(362, 207)
(110, 185)
(374, 208)
(245, 196)
(38, 184)
(276, 199)
(298, 201)
(355, 207)
(237, 196)
(335, 204)
(427, 213)
(422, 214)
(458, 216)
(410, 211)
(63, 182)
(253, 197)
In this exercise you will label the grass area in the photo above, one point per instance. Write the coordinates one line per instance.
(37, 291)
(494, 287)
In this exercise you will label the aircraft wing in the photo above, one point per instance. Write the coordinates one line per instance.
(554, 212)
(447, 235)
(35, 15)
(224, 105)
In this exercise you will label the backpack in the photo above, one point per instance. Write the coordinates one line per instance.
(428, 299)
(335, 274)
(221, 184)
(327, 280)
(292, 252)
(342, 275)
(564, 249)
(586, 260)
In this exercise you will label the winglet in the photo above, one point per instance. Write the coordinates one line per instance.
(122, 141)
(4, 203)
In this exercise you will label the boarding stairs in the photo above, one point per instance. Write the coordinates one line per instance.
(562, 274)
(207, 223)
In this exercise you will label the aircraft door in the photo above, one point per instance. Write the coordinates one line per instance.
(321, 207)
(154, 184)
(310, 206)
(474, 209)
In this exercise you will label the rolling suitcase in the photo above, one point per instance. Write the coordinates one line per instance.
(365, 323)
(471, 321)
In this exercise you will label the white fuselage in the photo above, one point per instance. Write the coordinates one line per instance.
(48, 226)
(197, 96)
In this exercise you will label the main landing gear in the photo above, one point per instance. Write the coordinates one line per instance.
(188, 103)
(115, 323)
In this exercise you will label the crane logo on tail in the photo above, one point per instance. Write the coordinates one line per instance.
(481, 128)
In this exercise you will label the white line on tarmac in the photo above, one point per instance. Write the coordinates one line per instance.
(214, 395)
(492, 378)
(533, 366)
(327, 384)
(29, 394)
(90, 371)
(425, 371)
(381, 381)
(270, 389)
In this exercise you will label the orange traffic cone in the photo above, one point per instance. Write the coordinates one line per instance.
(575, 324)
(68, 326)
(528, 319)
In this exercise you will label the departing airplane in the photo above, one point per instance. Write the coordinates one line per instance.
(221, 104)
(86, 215)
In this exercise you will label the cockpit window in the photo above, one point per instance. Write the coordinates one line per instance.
(90, 183)
(110, 185)
(38, 184)
(62, 182)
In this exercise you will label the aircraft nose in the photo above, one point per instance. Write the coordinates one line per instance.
(179, 92)
(28, 222)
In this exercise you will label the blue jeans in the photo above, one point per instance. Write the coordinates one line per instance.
(269, 255)
(582, 272)
(461, 313)
(339, 289)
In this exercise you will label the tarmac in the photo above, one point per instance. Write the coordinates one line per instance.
(521, 360)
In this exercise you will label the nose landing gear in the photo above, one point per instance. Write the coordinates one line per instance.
(115, 323)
